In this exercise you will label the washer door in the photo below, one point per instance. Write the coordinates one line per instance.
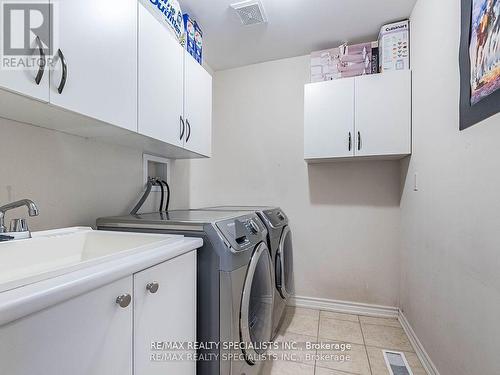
(284, 264)
(257, 304)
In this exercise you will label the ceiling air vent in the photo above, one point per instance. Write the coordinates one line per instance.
(250, 12)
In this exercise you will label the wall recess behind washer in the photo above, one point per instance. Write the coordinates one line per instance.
(155, 167)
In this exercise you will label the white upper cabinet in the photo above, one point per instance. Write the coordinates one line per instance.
(32, 82)
(96, 41)
(383, 114)
(160, 82)
(197, 107)
(365, 116)
(116, 74)
(329, 119)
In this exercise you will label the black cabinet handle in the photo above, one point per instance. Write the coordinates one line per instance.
(43, 61)
(64, 72)
(189, 130)
(359, 141)
(350, 141)
(183, 127)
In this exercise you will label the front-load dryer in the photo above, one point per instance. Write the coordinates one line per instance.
(235, 291)
(281, 246)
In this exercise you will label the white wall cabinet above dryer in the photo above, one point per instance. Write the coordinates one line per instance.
(161, 83)
(366, 116)
(197, 107)
(175, 92)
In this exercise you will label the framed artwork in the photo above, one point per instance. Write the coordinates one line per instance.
(479, 61)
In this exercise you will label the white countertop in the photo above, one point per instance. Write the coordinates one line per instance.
(70, 266)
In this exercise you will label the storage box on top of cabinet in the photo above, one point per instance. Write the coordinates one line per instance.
(361, 117)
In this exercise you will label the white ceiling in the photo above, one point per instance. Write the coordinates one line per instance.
(295, 27)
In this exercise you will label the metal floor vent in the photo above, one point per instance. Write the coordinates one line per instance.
(250, 12)
(396, 363)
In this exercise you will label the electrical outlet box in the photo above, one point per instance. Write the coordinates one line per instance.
(155, 167)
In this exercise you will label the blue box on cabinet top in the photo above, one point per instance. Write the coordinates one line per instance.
(194, 38)
(198, 43)
(189, 27)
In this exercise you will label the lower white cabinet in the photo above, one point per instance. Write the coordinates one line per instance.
(109, 330)
(87, 335)
(165, 311)
(365, 116)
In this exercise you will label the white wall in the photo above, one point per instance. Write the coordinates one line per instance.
(72, 180)
(450, 289)
(344, 216)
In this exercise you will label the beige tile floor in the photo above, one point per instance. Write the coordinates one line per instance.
(363, 340)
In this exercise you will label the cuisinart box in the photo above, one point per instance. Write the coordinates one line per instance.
(394, 46)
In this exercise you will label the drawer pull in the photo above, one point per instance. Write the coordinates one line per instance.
(42, 62)
(64, 71)
(153, 287)
(124, 300)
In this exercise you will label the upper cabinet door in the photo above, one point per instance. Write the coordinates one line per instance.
(197, 107)
(383, 114)
(95, 44)
(32, 81)
(329, 119)
(160, 81)
(165, 310)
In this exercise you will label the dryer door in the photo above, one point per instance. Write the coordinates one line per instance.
(284, 264)
(257, 305)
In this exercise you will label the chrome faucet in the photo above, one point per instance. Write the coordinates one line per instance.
(18, 226)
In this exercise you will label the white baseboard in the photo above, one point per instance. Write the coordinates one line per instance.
(417, 345)
(344, 307)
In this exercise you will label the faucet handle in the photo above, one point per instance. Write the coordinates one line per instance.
(19, 225)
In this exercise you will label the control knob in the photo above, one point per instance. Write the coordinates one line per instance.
(254, 228)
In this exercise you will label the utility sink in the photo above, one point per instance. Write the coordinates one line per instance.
(53, 253)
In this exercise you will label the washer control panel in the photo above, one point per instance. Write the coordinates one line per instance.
(243, 232)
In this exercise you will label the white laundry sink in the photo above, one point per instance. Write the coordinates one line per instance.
(53, 253)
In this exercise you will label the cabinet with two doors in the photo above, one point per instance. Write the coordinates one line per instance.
(114, 329)
(115, 73)
(361, 117)
(165, 70)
